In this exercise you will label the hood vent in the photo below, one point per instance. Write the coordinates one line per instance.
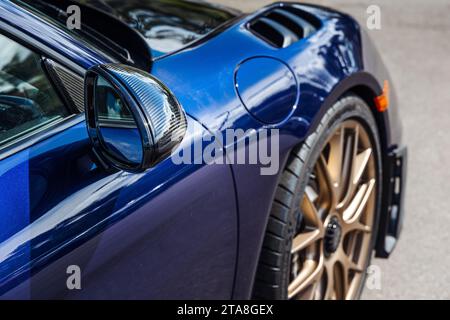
(284, 26)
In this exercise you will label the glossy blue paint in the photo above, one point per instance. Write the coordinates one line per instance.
(174, 231)
(324, 64)
(81, 203)
(267, 88)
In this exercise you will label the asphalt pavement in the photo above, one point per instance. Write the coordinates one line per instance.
(414, 40)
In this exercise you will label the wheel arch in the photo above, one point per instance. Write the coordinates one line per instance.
(367, 87)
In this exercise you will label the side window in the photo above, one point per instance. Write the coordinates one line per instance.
(27, 99)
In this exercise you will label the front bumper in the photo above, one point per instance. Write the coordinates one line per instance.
(392, 210)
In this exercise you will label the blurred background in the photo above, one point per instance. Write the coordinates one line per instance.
(414, 41)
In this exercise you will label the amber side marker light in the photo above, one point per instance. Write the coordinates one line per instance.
(382, 101)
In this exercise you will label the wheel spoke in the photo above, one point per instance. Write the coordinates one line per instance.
(349, 264)
(328, 188)
(310, 212)
(311, 293)
(310, 273)
(356, 226)
(349, 285)
(305, 239)
(336, 156)
(357, 205)
(351, 145)
(330, 289)
(360, 163)
(353, 287)
(352, 159)
(344, 283)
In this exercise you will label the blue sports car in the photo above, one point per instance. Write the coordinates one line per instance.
(168, 149)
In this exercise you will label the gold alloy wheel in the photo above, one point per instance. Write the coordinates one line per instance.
(329, 253)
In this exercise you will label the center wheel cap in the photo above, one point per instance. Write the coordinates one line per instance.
(333, 234)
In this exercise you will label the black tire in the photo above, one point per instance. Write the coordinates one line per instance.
(272, 276)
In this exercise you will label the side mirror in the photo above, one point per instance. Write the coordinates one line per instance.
(133, 120)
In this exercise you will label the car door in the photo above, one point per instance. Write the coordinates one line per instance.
(69, 228)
